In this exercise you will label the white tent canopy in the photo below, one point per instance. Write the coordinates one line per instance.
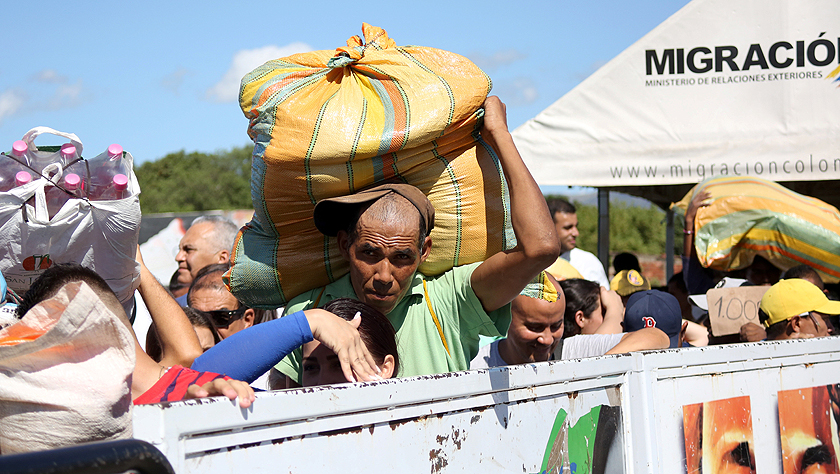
(747, 87)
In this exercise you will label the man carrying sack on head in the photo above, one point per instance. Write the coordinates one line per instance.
(383, 233)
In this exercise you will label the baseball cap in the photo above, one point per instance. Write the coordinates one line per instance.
(334, 214)
(627, 282)
(561, 269)
(654, 309)
(700, 300)
(793, 297)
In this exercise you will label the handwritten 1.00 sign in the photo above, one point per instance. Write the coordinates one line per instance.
(731, 308)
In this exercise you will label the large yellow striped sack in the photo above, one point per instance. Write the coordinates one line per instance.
(330, 123)
(751, 216)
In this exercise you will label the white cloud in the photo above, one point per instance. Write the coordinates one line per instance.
(172, 82)
(10, 102)
(246, 60)
(498, 59)
(516, 92)
(49, 76)
(66, 96)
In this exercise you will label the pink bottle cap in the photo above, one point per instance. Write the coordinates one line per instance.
(68, 151)
(22, 177)
(72, 181)
(19, 148)
(115, 151)
(120, 182)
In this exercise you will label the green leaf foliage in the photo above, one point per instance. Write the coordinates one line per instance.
(183, 182)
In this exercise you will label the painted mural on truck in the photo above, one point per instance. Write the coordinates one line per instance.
(719, 437)
(808, 427)
(592, 444)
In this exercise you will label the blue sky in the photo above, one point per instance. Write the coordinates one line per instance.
(159, 77)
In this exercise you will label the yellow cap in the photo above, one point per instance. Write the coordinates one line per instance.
(627, 282)
(561, 269)
(789, 298)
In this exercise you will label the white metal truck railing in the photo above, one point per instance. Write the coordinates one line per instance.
(579, 416)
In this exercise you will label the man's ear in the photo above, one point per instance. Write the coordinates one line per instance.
(426, 250)
(224, 256)
(580, 318)
(794, 325)
(343, 240)
(248, 318)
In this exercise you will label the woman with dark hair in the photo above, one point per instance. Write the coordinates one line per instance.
(591, 309)
(321, 365)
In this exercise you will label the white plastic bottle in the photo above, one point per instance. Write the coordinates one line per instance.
(19, 151)
(67, 154)
(117, 190)
(23, 177)
(103, 168)
(56, 197)
(72, 163)
(11, 163)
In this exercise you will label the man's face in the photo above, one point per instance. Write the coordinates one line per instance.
(762, 273)
(567, 230)
(195, 252)
(535, 329)
(815, 325)
(211, 299)
(383, 259)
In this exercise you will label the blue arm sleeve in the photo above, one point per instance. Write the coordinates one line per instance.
(251, 352)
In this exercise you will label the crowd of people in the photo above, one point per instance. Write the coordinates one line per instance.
(543, 300)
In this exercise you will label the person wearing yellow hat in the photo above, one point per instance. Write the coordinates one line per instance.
(627, 282)
(796, 309)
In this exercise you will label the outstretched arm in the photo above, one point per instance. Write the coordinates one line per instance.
(178, 341)
(696, 334)
(500, 278)
(642, 340)
(251, 352)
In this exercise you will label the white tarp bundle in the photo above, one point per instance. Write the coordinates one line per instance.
(723, 87)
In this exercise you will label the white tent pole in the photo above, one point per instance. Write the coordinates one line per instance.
(604, 228)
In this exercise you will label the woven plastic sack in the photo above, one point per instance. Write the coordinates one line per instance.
(330, 123)
(751, 216)
(101, 235)
(65, 374)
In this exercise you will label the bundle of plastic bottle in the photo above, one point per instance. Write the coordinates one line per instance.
(102, 178)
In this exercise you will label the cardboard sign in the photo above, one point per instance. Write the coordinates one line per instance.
(731, 308)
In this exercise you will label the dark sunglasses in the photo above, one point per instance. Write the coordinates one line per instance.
(222, 318)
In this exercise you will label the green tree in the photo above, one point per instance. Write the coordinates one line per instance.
(183, 182)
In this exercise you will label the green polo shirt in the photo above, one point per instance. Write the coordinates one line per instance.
(421, 349)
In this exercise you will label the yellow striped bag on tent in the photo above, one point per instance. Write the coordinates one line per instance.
(752, 216)
(329, 123)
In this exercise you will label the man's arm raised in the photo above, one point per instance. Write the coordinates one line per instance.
(178, 341)
(500, 278)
